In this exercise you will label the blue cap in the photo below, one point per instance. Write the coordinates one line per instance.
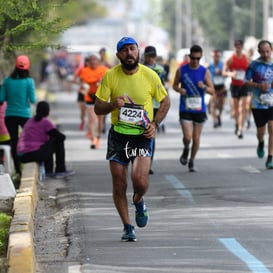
(125, 41)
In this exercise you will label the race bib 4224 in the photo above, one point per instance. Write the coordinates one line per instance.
(131, 113)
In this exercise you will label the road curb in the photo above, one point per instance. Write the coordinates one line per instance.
(21, 252)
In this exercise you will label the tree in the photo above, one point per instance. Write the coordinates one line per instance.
(220, 21)
(30, 25)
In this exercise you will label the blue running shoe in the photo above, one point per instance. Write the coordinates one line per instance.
(260, 150)
(129, 234)
(142, 215)
(269, 164)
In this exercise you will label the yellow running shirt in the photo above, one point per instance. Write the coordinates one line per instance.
(139, 87)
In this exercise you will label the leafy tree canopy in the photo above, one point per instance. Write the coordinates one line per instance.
(27, 25)
(220, 21)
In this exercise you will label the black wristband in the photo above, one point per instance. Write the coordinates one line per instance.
(157, 124)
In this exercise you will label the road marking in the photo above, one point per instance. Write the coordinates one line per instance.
(74, 269)
(250, 169)
(251, 261)
(180, 188)
(221, 155)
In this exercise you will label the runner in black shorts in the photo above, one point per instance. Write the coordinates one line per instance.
(262, 116)
(235, 67)
(238, 91)
(127, 91)
(192, 81)
(217, 101)
(80, 97)
(259, 77)
(199, 118)
(125, 148)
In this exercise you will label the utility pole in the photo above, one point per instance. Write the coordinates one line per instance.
(231, 29)
(265, 19)
(178, 25)
(188, 24)
(253, 18)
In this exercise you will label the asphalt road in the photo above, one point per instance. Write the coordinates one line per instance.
(217, 220)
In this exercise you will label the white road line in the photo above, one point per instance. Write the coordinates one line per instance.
(251, 169)
(74, 269)
(224, 155)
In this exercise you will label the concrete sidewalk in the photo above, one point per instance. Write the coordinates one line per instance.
(21, 253)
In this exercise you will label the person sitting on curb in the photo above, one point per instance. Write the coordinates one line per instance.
(40, 139)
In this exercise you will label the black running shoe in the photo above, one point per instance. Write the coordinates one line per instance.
(236, 129)
(219, 121)
(240, 134)
(184, 157)
(191, 166)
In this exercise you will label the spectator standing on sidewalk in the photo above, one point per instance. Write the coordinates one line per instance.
(127, 91)
(150, 61)
(92, 75)
(40, 140)
(235, 67)
(192, 81)
(259, 76)
(18, 90)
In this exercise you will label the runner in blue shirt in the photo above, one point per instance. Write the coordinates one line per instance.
(192, 81)
(217, 101)
(259, 77)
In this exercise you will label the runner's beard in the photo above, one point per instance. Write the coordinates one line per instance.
(130, 66)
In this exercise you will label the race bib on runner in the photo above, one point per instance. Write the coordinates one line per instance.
(218, 80)
(131, 113)
(194, 103)
(240, 75)
(267, 99)
(85, 88)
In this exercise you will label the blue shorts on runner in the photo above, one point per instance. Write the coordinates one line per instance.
(125, 148)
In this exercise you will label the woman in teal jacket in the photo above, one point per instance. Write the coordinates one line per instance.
(18, 90)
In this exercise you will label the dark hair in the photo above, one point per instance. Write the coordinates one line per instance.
(262, 42)
(18, 73)
(42, 110)
(195, 49)
(238, 41)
